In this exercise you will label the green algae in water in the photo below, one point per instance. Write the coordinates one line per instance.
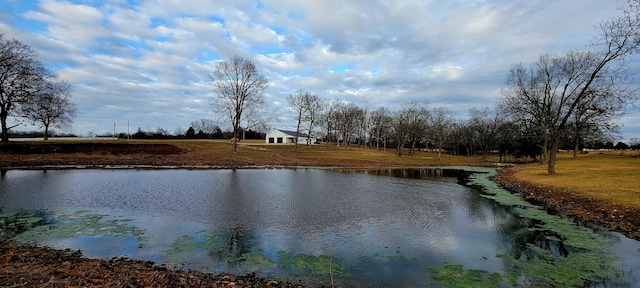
(229, 246)
(258, 260)
(583, 256)
(305, 264)
(222, 244)
(210, 242)
(396, 257)
(14, 222)
(225, 245)
(80, 223)
(456, 276)
(572, 270)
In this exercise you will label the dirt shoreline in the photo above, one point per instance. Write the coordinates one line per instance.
(31, 266)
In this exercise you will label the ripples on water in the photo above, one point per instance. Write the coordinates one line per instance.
(386, 230)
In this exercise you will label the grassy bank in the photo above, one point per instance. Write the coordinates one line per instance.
(609, 178)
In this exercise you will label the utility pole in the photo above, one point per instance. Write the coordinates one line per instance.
(114, 128)
(128, 134)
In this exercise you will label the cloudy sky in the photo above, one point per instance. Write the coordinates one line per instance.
(147, 62)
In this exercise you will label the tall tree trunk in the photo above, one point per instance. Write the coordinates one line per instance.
(236, 127)
(553, 154)
(576, 143)
(298, 131)
(384, 144)
(544, 159)
(235, 140)
(46, 132)
(5, 135)
(400, 145)
(413, 146)
(309, 133)
(484, 153)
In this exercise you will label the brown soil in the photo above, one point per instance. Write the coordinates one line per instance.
(192, 154)
(29, 266)
(90, 154)
(26, 266)
(89, 148)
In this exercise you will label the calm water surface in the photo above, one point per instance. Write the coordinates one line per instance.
(382, 227)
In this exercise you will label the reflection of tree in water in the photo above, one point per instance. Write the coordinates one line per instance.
(523, 237)
(526, 237)
(18, 221)
(228, 246)
(236, 243)
(406, 173)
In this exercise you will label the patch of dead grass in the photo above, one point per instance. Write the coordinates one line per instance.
(219, 153)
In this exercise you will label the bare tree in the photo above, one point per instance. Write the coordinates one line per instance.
(598, 111)
(329, 119)
(402, 125)
(506, 137)
(51, 106)
(418, 116)
(306, 109)
(551, 91)
(240, 89)
(347, 119)
(485, 128)
(205, 127)
(297, 103)
(457, 137)
(315, 106)
(362, 126)
(21, 75)
(441, 121)
(380, 124)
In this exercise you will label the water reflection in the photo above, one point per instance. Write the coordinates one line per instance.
(236, 243)
(21, 220)
(381, 227)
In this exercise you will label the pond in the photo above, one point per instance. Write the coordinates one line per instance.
(384, 227)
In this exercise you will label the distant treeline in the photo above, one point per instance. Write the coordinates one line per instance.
(191, 133)
(38, 134)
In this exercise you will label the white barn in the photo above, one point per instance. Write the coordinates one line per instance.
(287, 137)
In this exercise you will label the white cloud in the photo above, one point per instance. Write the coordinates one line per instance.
(78, 24)
(149, 63)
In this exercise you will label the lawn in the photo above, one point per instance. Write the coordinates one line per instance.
(603, 177)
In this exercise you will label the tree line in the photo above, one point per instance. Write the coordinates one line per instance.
(557, 100)
(29, 92)
(198, 129)
(418, 126)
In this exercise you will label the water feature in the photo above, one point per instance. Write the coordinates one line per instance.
(401, 227)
